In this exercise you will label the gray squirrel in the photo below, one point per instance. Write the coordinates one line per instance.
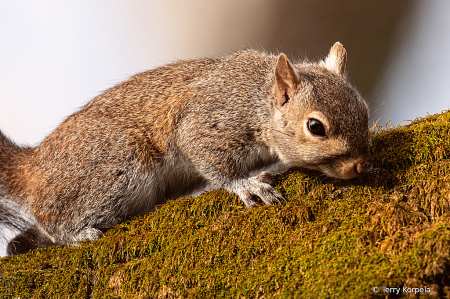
(165, 132)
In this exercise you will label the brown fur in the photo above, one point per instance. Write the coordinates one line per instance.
(168, 131)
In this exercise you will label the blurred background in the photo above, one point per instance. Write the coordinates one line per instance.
(55, 56)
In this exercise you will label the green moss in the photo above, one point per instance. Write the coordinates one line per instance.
(332, 239)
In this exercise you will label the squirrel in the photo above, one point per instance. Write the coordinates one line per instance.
(165, 132)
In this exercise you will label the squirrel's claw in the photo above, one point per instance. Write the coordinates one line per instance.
(246, 188)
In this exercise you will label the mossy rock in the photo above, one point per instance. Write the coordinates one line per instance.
(331, 239)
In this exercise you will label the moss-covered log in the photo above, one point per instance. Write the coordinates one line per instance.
(333, 238)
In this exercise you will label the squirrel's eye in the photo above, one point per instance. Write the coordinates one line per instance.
(316, 127)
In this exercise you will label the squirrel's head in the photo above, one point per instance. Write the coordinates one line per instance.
(320, 120)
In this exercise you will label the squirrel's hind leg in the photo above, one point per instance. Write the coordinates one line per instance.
(32, 239)
(87, 234)
(28, 240)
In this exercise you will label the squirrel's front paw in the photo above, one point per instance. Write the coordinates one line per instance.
(268, 178)
(247, 188)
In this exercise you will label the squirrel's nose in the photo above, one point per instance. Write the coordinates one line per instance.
(363, 166)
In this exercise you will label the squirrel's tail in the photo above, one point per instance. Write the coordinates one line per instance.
(9, 210)
(7, 150)
(13, 220)
(13, 217)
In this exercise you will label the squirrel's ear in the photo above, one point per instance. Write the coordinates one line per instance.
(285, 74)
(286, 77)
(336, 59)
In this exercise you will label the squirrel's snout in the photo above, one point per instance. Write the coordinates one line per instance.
(348, 169)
